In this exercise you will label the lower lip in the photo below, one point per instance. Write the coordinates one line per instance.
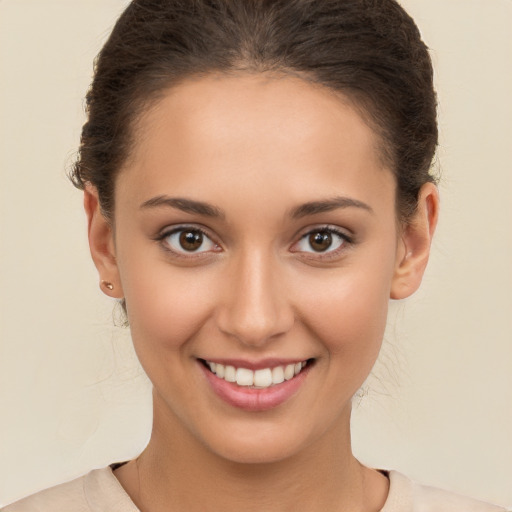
(255, 400)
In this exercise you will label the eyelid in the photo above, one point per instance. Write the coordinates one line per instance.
(348, 240)
(345, 233)
(170, 230)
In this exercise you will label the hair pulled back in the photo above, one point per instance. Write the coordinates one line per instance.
(369, 50)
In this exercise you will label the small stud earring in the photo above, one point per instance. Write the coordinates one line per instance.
(108, 285)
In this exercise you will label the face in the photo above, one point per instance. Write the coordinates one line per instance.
(256, 241)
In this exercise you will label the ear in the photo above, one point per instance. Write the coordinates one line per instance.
(101, 244)
(414, 244)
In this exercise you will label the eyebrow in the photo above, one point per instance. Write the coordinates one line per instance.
(185, 205)
(328, 205)
(209, 210)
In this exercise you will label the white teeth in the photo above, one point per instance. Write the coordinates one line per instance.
(220, 370)
(244, 377)
(263, 378)
(289, 372)
(230, 374)
(277, 375)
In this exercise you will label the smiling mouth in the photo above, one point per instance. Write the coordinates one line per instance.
(256, 379)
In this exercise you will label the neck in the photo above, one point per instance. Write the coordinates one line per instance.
(177, 469)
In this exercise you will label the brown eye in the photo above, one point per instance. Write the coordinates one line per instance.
(191, 240)
(188, 240)
(320, 241)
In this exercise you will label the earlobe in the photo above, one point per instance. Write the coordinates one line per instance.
(101, 244)
(414, 245)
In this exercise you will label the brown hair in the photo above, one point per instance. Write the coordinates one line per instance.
(369, 50)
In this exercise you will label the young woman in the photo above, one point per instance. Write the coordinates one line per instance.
(257, 187)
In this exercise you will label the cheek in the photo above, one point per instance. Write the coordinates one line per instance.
(348, 311)
(166, 306)
(349, 321)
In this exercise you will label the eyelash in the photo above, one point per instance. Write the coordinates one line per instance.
(317, 255)
(329, 253)
(185, 229)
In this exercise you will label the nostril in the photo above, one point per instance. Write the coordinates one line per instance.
(255, 308)
(256, 329)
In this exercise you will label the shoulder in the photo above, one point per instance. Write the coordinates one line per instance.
(94, 492)
(406, 495)
(68, 496)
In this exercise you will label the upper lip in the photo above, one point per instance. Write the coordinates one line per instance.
(255, 365)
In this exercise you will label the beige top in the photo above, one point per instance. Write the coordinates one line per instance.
(100, 491)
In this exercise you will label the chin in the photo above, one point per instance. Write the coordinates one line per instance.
(249, 452)
(265, 443)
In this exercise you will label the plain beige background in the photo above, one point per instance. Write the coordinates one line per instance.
(72, 397)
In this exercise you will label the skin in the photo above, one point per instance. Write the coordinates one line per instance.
(256, 147)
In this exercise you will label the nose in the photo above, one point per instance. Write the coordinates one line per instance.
(255, 308)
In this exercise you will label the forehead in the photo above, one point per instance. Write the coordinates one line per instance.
(257, 105)
(244, 129)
